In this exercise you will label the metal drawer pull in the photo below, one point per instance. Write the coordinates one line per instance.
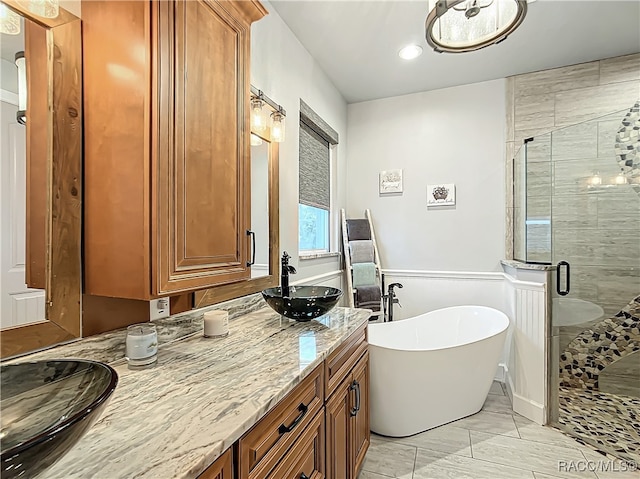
(304, 476)
(303, 410)
(355, 386)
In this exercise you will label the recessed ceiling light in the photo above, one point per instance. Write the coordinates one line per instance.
(410, 52)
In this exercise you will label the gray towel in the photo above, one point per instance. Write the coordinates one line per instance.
(358, 230)
(368, 297)
(361, 251)
(364, 274)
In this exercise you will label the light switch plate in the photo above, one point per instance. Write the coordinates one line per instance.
(159, 308)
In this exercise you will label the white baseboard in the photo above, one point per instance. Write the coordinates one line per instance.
(501, 373)
(530, 409)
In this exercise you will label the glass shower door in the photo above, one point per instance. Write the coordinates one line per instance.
(594, 238)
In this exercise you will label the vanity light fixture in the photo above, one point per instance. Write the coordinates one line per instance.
(595, 180)
(21, 114)
(258, 116)
(457, 26)
(277, 117)
(410, 52)
(42, 8)
(9, 21)
(277, 125)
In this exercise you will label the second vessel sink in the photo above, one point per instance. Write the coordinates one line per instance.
(303, 303)
(46, 407)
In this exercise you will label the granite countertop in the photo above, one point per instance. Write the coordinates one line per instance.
(178, 417)
(530, 266)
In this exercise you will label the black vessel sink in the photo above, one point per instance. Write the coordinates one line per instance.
(46, 407)
(303, 303)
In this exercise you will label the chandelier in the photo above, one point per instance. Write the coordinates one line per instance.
(457, 26)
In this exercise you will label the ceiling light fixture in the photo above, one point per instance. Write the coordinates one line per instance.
(9, 21)
(457, 26)
(410, 52)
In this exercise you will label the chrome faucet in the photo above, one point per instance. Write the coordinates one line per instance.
(287, 269)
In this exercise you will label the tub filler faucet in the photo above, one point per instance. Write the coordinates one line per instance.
(392, 299)
(287, 269)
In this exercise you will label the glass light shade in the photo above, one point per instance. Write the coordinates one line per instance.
(255, 140)
(42, 8)
(457, 26)
(595, 180)
(9, 21)
(258, 116)
(22, 87)
(410, 52)
(277, 127)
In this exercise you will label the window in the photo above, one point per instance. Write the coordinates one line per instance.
(315, 192)
(314, 203)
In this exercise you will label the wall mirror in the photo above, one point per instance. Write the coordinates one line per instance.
(265, 221)
(40, 177)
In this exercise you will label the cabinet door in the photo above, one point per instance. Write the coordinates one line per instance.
(360, 430)
(221, 469)
(338, 421)
(200, 147)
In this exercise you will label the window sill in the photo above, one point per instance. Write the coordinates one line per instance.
(324, 254)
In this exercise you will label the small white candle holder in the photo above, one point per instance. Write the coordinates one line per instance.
(141, 344)
(216, 324)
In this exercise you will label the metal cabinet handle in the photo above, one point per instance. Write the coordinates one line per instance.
(355, 386)
(304, 476)
(284, 429)
(253, 248)
(568, 278)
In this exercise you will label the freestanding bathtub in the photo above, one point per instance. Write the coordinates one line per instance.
(433, 368)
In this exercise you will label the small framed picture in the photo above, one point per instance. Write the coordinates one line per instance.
(441, 195)
(391, 181)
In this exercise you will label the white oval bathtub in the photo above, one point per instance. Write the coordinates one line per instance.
(433, 368)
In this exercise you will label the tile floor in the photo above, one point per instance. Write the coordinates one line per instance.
(495, 443)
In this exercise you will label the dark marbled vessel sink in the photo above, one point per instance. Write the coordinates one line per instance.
(46, 407)
(303, 303)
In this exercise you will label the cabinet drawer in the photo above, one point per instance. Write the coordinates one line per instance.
(221, 469)
(341, 361)
(306, 457)
(265, 444)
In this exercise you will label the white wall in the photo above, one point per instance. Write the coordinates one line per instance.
(454, 135)
(286, 72)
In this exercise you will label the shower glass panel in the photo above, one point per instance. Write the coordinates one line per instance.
(581, 200)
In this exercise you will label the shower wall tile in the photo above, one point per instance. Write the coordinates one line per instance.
(615, 285)
(539, 179)
(575, 142)
(539, 207)
(558, 79)
(510, 106)
(607, 129)
(575, 106)
(619, 69)
(509, 238)
(534, 113)
(574, 176)
(519, 246)
(619, 207)
(575, 211)
(539, 149)
(597, 247)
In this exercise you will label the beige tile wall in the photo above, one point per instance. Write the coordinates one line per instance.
(596, 229)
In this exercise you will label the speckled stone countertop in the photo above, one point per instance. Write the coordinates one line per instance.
(520, 265)
(176, 418)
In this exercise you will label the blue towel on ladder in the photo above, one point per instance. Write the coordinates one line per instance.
(364, 274)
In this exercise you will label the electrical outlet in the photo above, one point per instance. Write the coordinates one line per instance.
(159, 308)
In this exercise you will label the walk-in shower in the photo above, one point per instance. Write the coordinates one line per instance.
(577, 209)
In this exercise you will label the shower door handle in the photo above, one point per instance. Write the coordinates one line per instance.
(564, 292)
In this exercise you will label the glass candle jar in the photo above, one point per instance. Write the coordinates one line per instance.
(142, 344)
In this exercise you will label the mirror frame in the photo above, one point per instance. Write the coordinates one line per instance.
(63, 264)
(226, 292)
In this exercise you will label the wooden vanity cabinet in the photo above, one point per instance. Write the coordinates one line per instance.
(221, 469)
(167, 155)
(309, 434)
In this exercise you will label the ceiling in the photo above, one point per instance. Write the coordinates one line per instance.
(356, 42)
(10, 44)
